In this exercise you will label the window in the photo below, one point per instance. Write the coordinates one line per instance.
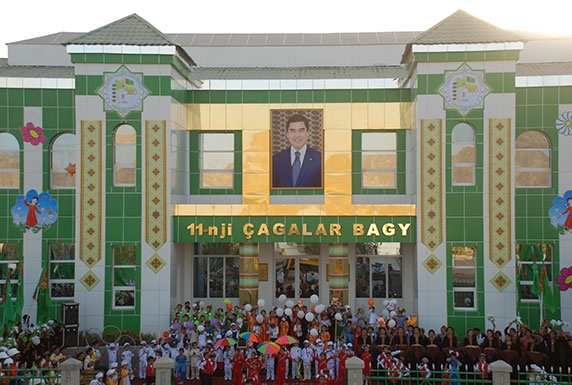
(217, 265)
(464, 277)
(62, 270)
(125, 156)
(379, 159)
(10, 265)
(297, 269)
(9, 161)
(463, 155)
(216, 160)
(532, 161)
(63, 165)
(378, 270)
(124, 276)
(525, 257)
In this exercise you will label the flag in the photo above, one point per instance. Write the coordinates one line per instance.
(535, 289)
(540, 282)
(9, 315)
(20, 295)
(547, 295)
(42, 297)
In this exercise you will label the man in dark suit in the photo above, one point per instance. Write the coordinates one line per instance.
(299, 165)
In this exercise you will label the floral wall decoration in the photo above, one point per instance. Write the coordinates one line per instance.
(564, 123)
(35, 212)
(33, 134)
(565, 279)
(561, 213)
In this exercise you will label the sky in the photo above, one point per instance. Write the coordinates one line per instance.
(26, 19)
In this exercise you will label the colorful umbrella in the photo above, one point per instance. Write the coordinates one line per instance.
(286, 340)
(269, 348)
(225, 342)
(248, 336)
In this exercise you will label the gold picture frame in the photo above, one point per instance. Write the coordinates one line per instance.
(263, 272)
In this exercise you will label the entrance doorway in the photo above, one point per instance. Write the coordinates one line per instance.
(297, 270)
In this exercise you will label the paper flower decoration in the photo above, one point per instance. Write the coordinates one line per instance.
(564, 123)
(565, 279)
(32, 134)
(491, 319)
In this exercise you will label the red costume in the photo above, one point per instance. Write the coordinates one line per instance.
(237, 362)
(31, 219)
(283, 359)
(366, 358)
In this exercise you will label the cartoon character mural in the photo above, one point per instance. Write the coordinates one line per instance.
(561, 213)
(34, 211)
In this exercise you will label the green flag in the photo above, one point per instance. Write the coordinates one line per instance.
(535, 289)
(42, 297)
(20, 295)
(9, 315)
(547, 295)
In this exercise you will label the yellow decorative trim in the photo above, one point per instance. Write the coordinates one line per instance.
(91, 186)
(500, 187)
(155, 184)
(431, 208)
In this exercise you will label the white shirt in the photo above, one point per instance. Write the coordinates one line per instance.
(302, 152)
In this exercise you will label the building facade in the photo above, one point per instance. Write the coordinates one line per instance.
(141, 169)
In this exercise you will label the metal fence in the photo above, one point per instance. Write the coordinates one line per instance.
(48, 376)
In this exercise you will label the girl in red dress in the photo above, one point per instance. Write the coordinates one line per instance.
(237, 363)
(283, 358)
(366, 358)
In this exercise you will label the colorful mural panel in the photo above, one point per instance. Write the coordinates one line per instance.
(35, 212)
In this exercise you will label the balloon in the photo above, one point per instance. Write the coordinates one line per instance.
(314, 332)
(289, 303)
(385, 313)
(202, 304)
(370, 302)
(309, 317)
(239, 321)
(191, 325)
(279, 312)
(259, 318)
(175, 326)
(261, 302)
(165, 334)
(301, 314)
(354, 320)
(248, 307)
(314, 299)
(385, 302)
(391, 323)
(201, 328)
(226, 301)
(229, 306)
(338, 316)
(187, 325)
(214, 321)
(282, 298)
(392, 314)
(319, 308)
(288, 312)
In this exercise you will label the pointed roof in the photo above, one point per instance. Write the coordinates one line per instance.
(131, 30)
(463, 28)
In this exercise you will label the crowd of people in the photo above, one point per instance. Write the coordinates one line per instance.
(249, 344)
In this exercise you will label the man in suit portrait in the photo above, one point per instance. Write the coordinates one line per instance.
(299, 165)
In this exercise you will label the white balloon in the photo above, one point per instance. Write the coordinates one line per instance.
(309, 317)
(200, 328)
(289, 303)
(261, 302)
(392, 314)
(282, 298)
(239, 321)
(314, 299)
(314, 332)
(288, 312)
(259, 318)
(279, 312)
(391, 323)
(338, 316)
(301, 314)
(248, 307)
(202, 304)
(319, 308)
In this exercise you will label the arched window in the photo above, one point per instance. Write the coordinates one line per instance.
(463, 158)
(532, 161)
(125, 155)
(9, 161)
(63, 165)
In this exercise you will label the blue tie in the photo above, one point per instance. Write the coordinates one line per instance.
(295, 168)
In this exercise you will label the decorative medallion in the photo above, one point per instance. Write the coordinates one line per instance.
(90, 280)
(34, 212)
(500, 281)
(464, 89)
(564, 123)
(155, 263)
(432, 264)
(123, 91)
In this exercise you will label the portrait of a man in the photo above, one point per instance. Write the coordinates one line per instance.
(296, 145)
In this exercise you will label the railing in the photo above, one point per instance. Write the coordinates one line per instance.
(47, 376)
(420, 377)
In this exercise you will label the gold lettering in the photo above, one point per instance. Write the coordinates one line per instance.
(321, 230)
(223, 231)
(404, 228)
(278, 228)
(335, 229)
(372, 230)
(191, 229)
(229, 228)
(247, 230)
(294, 230)
(358, 230)
(213, 231)
(305, 229)
(263, 230)
(388, 229)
